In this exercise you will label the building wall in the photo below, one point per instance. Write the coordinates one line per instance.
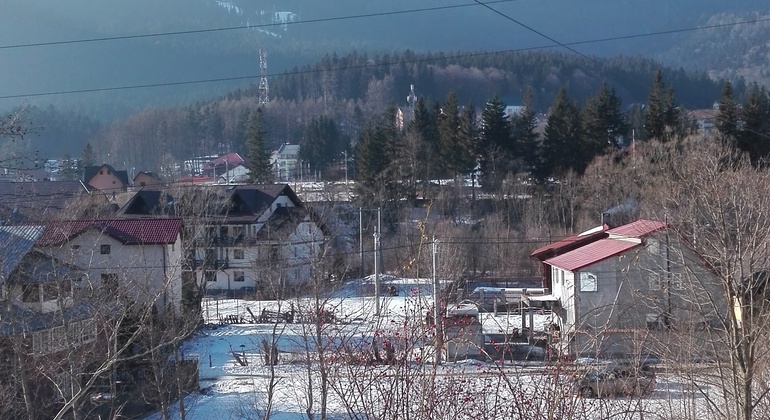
(144, 272)
(105, 180)
(634, 293)
(143, 180)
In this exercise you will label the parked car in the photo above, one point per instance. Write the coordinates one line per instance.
(615, 380)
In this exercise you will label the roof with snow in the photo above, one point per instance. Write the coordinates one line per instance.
(127, 231)
(637, 229)
(569, 243)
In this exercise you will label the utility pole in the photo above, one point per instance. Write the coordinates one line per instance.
(361, 241)
(437, 315)
(377, 272)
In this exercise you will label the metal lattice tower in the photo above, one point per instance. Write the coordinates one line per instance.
(264, 89)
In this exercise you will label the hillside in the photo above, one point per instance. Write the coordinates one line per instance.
(727, 52)
(298, 32)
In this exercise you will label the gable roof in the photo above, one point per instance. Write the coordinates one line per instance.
(637, 229)
(24, 201)
(230, 159)
(570, 243)
(591, 254)
(239, 203)
(90, 172)
(617, 241)
(15, 243)
(127, 231)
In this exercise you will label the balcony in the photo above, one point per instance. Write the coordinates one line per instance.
(209, 264)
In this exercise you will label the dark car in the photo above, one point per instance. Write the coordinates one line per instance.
(615, 380)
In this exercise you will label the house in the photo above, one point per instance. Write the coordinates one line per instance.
(565, 245)
(623, 290)
(285, 162)
(222, 164)
(135, 259)
(236, 175)
(704, 120)
(30, 201)
(49, 339)
(146, 179)
(105, 178)
(240, 238)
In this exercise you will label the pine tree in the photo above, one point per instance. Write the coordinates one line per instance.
(524, 136)
(469, 138)
(495, 145)
(449, 135)
(603, 123)
(422, 133)
(260, 167)
(562, 139)
(321, 143)
(754, 138)
(87, 158)
(727, 118)
(662, 117)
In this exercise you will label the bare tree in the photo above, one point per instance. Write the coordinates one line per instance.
(719, 203)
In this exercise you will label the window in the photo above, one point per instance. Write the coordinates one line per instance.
(210, 275)
(654, 322)
(588, 282)
(654, 282)
(105, 249)
(239, 276)
(110, 282)
(75, 247)
(238, 254)
(30, 293)
(676, 281)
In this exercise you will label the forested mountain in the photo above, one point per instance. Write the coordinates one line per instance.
(38, 55)
(728, 52)
(355, 88)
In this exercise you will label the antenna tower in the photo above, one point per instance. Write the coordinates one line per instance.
(264, 89)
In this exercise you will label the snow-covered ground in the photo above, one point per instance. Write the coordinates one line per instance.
(235, 380)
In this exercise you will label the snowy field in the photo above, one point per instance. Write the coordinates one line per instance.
(235, 379)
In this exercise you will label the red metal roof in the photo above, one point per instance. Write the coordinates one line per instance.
(127, 231)
(637, 229)
(569, 243)
(591, 253)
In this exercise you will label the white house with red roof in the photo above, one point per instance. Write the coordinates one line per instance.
(136, 259)
(624, 290)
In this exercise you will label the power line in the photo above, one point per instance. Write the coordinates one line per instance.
(234, 28)
(368, 65)
(531, 29)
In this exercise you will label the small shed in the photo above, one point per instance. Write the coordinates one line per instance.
(463, 334)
